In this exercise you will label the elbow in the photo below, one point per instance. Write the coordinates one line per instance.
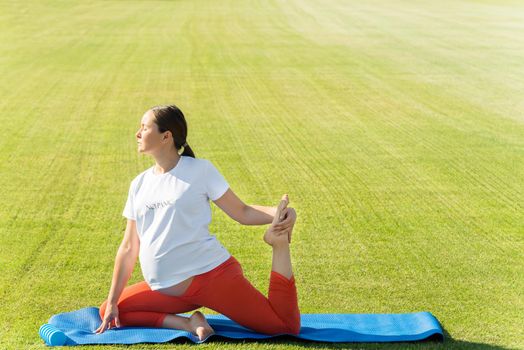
(129, 250)
(243, 218)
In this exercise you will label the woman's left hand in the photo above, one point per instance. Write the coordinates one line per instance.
(290, 216)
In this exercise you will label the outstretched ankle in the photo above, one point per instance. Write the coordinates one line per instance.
(279, 244)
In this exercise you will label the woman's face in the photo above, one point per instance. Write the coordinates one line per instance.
(148, 137)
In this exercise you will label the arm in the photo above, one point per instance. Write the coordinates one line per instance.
(256, 214)
(259, 215)
(124, 264)
(242, 213)
(125, 261)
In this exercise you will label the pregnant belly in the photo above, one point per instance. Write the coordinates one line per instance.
(178, 289)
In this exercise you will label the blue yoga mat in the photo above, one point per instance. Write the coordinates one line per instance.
(77, 327)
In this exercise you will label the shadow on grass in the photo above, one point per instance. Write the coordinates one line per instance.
(433, 342)
(293, 342)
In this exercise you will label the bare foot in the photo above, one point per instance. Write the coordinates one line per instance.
(199, 325)
(271, 236)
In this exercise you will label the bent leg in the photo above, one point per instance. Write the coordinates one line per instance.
(231, 294)
(140, 306)
(283, 298)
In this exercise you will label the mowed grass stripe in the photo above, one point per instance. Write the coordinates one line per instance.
(424, 50)
(50, 138)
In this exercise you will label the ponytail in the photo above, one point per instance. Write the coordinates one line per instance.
(171, 118)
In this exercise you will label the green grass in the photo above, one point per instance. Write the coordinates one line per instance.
(396, 128)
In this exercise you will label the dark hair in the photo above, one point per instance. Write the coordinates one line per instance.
(171, 118)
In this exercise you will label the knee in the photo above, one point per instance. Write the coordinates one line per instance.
(294, 328)
(293, 323)
(286, 328)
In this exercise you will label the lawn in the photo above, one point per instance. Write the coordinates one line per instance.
(396, 128)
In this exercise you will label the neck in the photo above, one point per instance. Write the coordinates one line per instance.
(166, 161)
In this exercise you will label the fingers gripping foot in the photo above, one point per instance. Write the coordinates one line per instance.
(272, 236)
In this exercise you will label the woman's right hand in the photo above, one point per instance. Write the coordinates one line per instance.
(110, 315)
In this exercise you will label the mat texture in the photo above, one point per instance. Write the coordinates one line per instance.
(76, 328)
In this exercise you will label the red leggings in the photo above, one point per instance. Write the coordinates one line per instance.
(223, 289)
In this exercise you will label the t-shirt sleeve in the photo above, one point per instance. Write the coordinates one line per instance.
(129, 209)
(216, 184)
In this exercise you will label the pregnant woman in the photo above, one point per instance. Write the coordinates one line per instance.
(184, 266)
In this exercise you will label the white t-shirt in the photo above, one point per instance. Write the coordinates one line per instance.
(172, 213)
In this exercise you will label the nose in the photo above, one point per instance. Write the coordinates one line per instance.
(137, 134)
